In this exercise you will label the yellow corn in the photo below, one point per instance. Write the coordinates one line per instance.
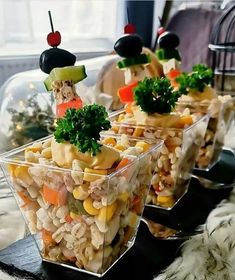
(21, 172)
(132, 219)
(81, 192)
(46, 153)
(120, 117)
(165, 200)
(106, 212)
(123, 196)
(119, 147)
(88, 206)
(33, 149)
(137, 132)
(115, 129)
(11, 168)
(145, 146)
(109, 141)
(89, 177)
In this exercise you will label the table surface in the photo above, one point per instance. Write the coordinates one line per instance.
(148, 256)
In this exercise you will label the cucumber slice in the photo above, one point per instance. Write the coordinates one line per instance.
(48, 83)
(68, 73)
(129, 61)
(166, 54)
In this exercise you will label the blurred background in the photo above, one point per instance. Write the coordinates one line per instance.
(89, 28)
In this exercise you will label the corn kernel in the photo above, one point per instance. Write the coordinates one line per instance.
(106, 212)
(11, 168)
(81, 192)
(88, 206)
(132, 219)
(120, 117)
(46, 153)
(109, 141)
(115, 129)
(137, 132)
(119, 147)
(145, 146)
(21, 172)
(165, 200)
(123, 196)
(33, 149)
(89, 177)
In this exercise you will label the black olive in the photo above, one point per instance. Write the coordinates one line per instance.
(129, 45)
(55, 57)
(168, 40)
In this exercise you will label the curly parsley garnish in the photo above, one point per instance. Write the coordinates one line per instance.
(200, 77)
(155, 95)
(82, 127)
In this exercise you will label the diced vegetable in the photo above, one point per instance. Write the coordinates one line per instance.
(129, 61)
(47, 237)
(70, 73)
(24, 197)
(61, 108)
(106, 213)
(126, 94)
(55, 197)
(122, 163)
(88, 206)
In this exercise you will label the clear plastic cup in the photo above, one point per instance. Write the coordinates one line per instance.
(81, 218)
(177, 156)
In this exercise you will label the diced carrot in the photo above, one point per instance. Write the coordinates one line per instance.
(128, 108)
(61, 108)
(183, 121)
(24, 197)
(126, 93)
(136, 204)
(173, 73)
(55, 197)
(123, 163)
(68, 219)
(47, 237)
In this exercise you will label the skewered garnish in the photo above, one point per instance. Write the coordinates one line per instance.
(155, 95)
(55, 57)
(82, 127)
(130, 46)
(196, 81)
(168, 42)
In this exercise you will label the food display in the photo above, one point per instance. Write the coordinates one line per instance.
(151, 116)
(198, 97)
(82, 195)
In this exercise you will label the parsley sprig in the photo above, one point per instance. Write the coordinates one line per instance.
(200, 77)
(82, 127)
(155, 95)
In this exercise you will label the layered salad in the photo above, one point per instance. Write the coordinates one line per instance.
(198, 97)
(82, 195)
(151, 115)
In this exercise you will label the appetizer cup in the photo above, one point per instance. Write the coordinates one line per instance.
(81, 218)
(221, 112)
(177, 156)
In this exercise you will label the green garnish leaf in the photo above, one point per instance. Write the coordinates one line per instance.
(155, 95)
(82, 127)
(200, 77)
